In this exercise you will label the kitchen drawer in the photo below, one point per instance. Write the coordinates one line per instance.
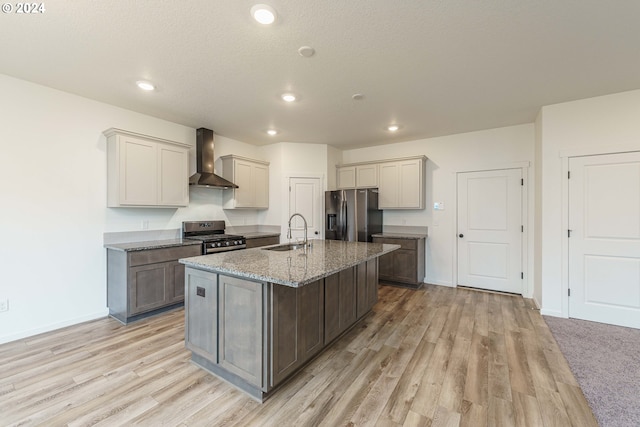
(409, 244)
(163, 255)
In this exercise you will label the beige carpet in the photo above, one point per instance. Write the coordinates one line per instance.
(605, 360)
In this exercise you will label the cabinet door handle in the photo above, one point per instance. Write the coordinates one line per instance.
(461, 235)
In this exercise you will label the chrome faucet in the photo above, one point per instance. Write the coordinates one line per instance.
(305, 228)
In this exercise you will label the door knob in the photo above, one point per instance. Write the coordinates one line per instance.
(461, 235)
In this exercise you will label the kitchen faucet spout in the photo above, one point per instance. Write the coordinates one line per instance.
(305, 228)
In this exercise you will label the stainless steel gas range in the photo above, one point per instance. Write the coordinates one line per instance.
(212, 236)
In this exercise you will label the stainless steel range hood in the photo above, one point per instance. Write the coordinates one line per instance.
(204, 176)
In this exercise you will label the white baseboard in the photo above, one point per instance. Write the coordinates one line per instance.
(536, 302)
(54, 326)
(438, 282)
(553, 313)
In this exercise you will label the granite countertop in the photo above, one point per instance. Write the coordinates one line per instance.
(291, 268)
(400, 235)
(151, 244)
(258, 234)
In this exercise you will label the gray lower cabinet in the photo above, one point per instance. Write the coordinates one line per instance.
(257, 242)
(240, 327)
(297, 327)
(366, 286)
(142, 282)
(201, 319)
(256, 334)
(404, 265)
(340, 303)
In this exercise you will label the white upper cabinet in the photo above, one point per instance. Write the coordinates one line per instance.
(400, 182)
(361, 176)
(367, 176)
(144, 171)
(346, 177)
(252, 178)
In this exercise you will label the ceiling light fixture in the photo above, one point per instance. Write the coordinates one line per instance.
(144, 85)
(306, 51)
(264, 14)
(393, 128)
(288, 97)
(357, 97)
(272, 132)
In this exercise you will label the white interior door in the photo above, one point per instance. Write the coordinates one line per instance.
(305, 197)
(604, 243)
(490, 230)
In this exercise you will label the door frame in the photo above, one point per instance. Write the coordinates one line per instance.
(527, 283)
(565, 155)
(285, 190)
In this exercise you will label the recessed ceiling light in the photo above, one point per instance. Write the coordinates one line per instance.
(393, 128)
(288, 97)
(272, 132)
(144, 85)
(306, 51)
(357, 97)
(263, 13)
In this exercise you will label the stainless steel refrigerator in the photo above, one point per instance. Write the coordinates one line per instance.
(352, 215)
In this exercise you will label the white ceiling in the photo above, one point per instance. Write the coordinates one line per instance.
(437, 67)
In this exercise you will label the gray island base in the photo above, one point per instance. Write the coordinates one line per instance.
(256, 317)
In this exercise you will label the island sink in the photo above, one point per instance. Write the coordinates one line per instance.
(285, 247)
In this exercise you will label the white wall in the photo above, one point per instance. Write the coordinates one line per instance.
(537, 237)
(54, 214)
(495, 148)
(334, 157)
(604, 124)
(290, 160)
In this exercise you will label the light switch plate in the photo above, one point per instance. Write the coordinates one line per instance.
(438, 206)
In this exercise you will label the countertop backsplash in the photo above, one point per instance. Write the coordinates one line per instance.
(120, 237)
(140, 236)
(405, 229)
(246, 229)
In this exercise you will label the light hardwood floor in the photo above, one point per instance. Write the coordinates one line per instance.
(433, 357)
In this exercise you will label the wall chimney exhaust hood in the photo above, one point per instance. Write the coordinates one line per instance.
(204, 176)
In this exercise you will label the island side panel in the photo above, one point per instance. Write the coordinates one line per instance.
(240, 326)
(201, 313)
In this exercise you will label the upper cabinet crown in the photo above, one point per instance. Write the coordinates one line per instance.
(251, 177)
(400, 182)
(144, 171)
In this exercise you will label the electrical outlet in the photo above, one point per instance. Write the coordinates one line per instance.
(4, 304)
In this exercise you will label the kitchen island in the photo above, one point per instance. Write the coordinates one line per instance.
(254, 317)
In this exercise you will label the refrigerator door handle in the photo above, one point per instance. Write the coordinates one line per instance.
(343, 213)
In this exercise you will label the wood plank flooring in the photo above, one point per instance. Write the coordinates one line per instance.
(433, 357)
